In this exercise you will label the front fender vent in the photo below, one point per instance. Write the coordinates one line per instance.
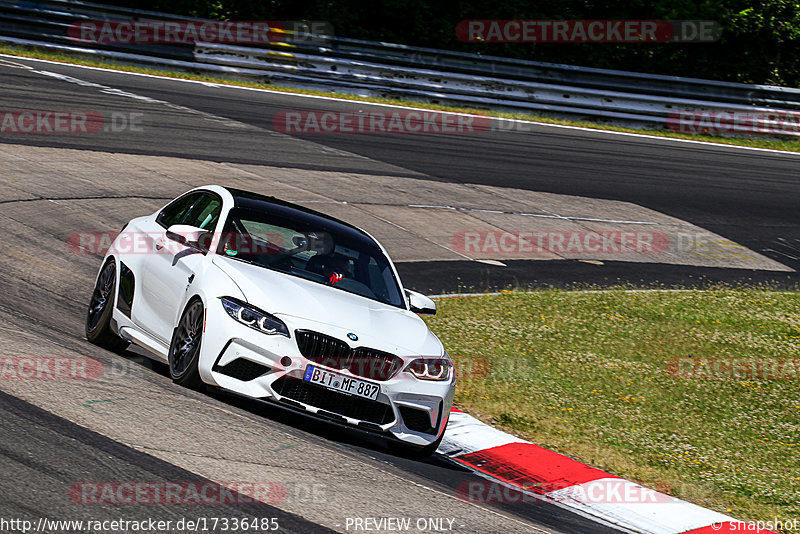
(242, 369)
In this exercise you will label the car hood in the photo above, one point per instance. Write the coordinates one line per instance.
(336, 312)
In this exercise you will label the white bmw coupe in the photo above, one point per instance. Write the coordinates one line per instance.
(280, 303)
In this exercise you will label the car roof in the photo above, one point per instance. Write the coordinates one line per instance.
(267, 204)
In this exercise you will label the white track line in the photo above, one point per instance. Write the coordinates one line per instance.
(589, 291)
(361, 102)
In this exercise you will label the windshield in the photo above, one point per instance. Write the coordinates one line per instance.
(320, 253)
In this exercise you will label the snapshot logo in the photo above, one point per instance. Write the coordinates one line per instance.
(50, 368)
(602, 491)
(732, 122)
(734, 368)
(588, 31)
(776, 524)
(68, 122)
(560, 242)
(378, 122)
(190, 32)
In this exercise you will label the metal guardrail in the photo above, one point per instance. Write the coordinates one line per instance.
(385, 69)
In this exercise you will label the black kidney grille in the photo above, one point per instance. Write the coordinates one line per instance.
(336, 354)
(333, 401)
(315, 345)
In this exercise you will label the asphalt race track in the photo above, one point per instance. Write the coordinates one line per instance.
(132, 424)
(748, 196)
(48, 453)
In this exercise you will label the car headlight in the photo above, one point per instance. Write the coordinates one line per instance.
(254, 318)
(430, 368)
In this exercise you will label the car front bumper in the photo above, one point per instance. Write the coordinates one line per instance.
(271, 367)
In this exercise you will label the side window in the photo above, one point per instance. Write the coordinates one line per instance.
(204, 213)
(175, 211)
(197, 209)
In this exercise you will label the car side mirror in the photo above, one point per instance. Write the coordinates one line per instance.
(420, 304)
(191, 236)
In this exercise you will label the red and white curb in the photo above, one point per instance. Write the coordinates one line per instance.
(556, 478)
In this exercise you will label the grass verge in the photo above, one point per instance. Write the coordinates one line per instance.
(627, 382)
(787, 143)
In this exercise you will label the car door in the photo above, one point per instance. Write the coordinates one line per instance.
(167, 273)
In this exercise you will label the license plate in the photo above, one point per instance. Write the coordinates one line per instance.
(340, 382)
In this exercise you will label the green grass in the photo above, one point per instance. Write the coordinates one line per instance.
(586, 374)
(786, 143)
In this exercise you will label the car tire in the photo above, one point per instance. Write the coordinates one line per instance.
(184, 349)
(101, 306)
(415, 452)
